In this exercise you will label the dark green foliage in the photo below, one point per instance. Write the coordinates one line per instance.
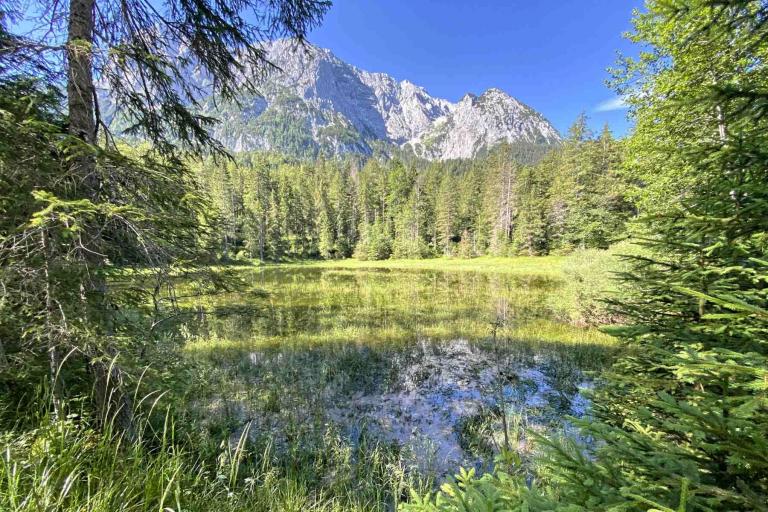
(587, 207)
(532, 233)
(91, 232)
(573, 197)
(52, 309)
(375, 242)
(688, 408)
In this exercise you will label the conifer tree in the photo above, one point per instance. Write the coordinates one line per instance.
(446, 215)
(531, 235)
(682, 421)
(344, 212)
(118, 204)
(500, 204)
(256, 202)
(325, 227)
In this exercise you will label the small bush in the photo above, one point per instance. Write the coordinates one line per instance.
(592, 282)
(375, 243)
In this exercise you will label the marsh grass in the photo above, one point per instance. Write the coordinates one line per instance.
(310, 305)
(67, 465)
(64, 466)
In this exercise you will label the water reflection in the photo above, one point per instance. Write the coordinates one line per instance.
(447, 366)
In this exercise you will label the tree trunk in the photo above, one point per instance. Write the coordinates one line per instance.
(720, 123)
(113, 404)
(80, 89)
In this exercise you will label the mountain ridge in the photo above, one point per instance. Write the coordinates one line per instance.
(315, 103)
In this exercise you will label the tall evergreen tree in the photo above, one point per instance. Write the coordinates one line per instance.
(682, 421)
(531, 235)
(500, 205)
(106, 205)
(446, 215)
(345, 216)
(256, 202)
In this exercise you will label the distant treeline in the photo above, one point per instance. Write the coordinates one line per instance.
(271, 207)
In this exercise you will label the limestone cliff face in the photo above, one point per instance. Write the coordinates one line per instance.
(317, 104)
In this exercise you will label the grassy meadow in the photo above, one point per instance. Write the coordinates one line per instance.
(522, 265)
(351, 301)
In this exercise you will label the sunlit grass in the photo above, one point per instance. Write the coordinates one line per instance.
(401, 301)
(522, 265)
(65, 467)
(367, 304)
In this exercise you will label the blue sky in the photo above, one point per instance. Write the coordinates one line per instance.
(550, 54)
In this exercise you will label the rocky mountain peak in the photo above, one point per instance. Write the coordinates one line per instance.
(316, 103)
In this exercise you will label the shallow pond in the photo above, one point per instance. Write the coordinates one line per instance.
(445, 368)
